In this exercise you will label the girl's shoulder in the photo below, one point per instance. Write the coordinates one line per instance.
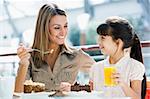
(137, 65)
(98, 64)
(137, 70)
(135, 62)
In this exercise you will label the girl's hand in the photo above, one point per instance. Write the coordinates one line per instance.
(65, 86)
(117, 78)
(24, 55)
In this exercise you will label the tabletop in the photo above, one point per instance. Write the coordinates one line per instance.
(68, 95)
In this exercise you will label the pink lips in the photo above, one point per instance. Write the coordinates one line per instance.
(101, 47)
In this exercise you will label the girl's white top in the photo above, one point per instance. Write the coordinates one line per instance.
(129, 68)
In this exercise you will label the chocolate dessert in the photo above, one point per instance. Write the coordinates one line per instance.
(78, 87)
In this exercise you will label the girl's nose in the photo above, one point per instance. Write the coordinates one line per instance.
(99, 42)
(100, 46)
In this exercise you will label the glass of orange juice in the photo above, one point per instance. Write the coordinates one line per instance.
(108, 80)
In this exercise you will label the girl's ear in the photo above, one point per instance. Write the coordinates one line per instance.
(119, 43)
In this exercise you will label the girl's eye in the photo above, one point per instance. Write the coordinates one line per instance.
(66, 26)
(102, 37)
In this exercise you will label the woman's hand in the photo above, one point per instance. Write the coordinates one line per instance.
(24, 55)
(65, 86)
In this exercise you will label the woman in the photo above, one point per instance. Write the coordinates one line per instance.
(118, 40)
(58, 67)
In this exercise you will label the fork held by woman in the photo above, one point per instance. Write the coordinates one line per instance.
(30, 50)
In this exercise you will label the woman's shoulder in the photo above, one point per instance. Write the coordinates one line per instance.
(78, 51)
(71, 49)
(82, 56)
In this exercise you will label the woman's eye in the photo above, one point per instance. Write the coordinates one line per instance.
(56, 27)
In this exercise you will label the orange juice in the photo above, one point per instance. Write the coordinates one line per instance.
(108, 81)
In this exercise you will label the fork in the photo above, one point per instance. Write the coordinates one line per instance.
(31, 50)
(46, 52)
(57, 93)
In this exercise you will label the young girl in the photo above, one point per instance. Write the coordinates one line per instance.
(118, 40)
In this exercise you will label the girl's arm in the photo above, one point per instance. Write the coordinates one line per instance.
(91, 85)
(134, 91)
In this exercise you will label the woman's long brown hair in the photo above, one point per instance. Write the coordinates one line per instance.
(41, 38)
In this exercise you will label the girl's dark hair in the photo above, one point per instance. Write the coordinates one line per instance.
(136, 53)
(117, 29)
(120, 28)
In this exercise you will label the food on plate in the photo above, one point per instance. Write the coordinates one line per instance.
(78, 87)
(30, 86)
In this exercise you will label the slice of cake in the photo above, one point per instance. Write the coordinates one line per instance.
(38, 87)
(30, 86)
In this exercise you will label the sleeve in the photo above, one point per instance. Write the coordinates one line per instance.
(84, 60)
(91, 74)
(96, 70)
(137, 71)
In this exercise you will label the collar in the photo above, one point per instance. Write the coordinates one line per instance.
(123, 61)
(66, 49)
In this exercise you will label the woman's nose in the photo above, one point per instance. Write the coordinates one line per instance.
(63, 31)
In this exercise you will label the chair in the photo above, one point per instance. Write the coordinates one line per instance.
(144, 86)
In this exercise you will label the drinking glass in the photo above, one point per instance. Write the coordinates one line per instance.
(108, 80)
(109, 83)
(7, 81)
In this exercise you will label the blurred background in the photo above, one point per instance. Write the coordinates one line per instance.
(18, 19)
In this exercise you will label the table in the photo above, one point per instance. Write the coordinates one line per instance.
(69, 95)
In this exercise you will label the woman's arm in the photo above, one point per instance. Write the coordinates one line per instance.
(20, 79)
(22, 70)
(85, 61)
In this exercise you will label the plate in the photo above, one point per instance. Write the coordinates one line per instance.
(38, 95)
(17, 94)
(45, 95)
(84, 94)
